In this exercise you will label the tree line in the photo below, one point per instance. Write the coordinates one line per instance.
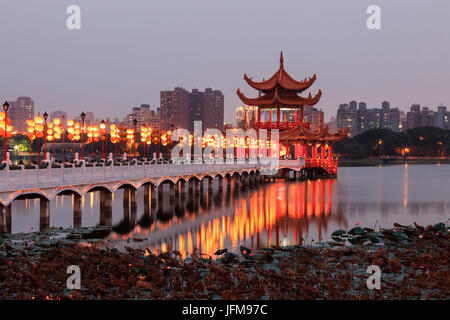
(417, 142)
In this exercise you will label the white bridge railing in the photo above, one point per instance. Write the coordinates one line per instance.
(18, 179)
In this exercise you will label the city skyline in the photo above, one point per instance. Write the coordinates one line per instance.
(101, 67)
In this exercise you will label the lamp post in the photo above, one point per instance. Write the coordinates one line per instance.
(82, 115)
(5, 108)
(135, 135)
(63, 134)
(45, 115)
(102, 136)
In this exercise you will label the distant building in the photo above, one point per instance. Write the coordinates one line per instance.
(443, 118)
(213, 109)
(180, 108)
(144, 116)
(359, 118)
(347, 117)
(425, 117)
(332, 125)
(58, 114)
(312, 115)
(175, 109)
(19, 112)
(245, 114)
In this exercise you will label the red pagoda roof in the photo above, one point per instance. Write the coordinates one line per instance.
(280, 99)
(280, 89)
(282, 79)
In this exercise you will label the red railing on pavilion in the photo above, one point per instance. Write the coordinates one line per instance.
(280, 125)
(329, 165)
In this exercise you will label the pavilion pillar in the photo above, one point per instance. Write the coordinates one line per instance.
(306, 150)
(270, 116)
(278, 115)
(76, 211)
(44, 217)
(330, 152)
(296, 116)
(259, 115)
(322, 147)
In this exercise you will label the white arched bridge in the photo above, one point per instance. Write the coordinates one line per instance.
(45, 183)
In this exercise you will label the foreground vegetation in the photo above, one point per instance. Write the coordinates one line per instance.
(414, 263)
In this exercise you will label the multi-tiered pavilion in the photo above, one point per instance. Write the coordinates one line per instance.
(279, 96)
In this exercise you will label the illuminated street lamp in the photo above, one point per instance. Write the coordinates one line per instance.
(115, 136)
(5, 108)
(82, 115)
(146, 137)
(102, 136)
(134, 140)
(45, 115)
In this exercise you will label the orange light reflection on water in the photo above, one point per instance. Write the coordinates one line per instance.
(275, 214)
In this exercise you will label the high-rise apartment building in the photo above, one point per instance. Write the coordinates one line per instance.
(347, 117)
(180, 108)
(175, 109)
(213, 108)
(19, 112)
(144, 116)
(443, 118)
(58, 114)
(359, 118)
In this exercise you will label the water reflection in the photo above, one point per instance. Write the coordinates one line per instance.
(271, 214)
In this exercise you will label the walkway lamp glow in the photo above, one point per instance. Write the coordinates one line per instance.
(45, 115)
(5, 108)
(102, 136)
(82, 115)
(134, 140)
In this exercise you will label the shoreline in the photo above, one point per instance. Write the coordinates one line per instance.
(369, 162)
(414, 262)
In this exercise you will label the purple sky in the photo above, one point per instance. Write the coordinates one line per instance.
(128, 51)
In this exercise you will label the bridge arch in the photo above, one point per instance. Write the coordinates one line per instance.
(68, 191)
(32, 194)
(126, 184)
(99, 188)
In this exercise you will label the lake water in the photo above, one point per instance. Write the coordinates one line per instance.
(279, 212)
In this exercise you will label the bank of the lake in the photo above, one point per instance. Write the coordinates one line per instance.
(377, 161)
(414, 264)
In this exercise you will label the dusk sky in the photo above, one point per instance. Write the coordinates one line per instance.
(128, 51)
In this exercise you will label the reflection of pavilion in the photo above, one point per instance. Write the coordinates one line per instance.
(256, 217)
